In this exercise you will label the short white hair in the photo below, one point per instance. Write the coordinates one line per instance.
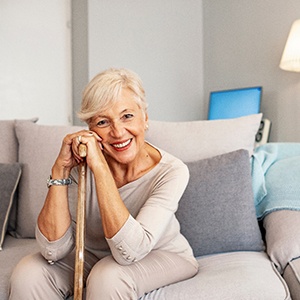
(104, 90)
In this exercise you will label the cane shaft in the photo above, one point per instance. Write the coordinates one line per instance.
(80, 231)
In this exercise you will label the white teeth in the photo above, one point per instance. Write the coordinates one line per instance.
(122, 144)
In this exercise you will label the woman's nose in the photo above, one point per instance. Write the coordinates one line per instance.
(117, 129)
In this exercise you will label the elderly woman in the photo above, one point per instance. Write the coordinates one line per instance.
(133, 240)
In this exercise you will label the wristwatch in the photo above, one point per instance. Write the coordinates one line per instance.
(65, 181)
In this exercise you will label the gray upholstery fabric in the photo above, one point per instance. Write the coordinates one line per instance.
(292, 277)
(217, 211)
(230, 276)
(283, 244)
(9, 178)
(9, 149)
(203, 139)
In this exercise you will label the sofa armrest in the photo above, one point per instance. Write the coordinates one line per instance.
(291, 276)
(282, 237)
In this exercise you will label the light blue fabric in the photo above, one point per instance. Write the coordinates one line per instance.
(276, 177)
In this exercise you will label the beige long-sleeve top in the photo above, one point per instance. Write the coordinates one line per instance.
(152, 201)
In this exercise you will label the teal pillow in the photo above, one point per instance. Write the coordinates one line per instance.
(9, 178)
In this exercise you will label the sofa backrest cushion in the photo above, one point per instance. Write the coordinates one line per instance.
(216, 211)
(38, 148)
(9, 146)
(195, 140)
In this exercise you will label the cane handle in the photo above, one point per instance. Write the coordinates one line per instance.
(82, 150)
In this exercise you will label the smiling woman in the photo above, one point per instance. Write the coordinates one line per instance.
(133, 242)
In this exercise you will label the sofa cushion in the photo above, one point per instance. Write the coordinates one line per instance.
(216, 211)
(39, 146)
(196, 140)
(234, 276)
(9, 178)
(282, 236)
(9, 149)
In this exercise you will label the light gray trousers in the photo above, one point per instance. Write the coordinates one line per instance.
(34, 278)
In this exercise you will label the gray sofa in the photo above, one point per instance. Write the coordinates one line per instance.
(239, 257)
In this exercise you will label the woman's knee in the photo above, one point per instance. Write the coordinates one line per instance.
(108, 279)
(28, 272)
(33, 278)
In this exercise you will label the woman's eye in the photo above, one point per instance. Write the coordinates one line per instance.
(127, 116)
(103, 123)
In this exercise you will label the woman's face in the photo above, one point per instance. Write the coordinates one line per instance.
(122, 128)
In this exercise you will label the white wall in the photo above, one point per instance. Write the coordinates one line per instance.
(175, 46)
(35, 60)
(159, 40)
(243, 44)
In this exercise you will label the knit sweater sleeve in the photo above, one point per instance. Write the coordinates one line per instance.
(155, 225)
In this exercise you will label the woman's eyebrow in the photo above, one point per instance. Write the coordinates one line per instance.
(100, 116)
(125, 110)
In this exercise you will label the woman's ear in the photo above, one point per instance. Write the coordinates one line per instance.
(146, 122)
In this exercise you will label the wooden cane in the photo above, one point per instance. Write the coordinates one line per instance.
(80, 227)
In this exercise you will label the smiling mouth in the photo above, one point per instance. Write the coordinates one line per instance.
(121, 146)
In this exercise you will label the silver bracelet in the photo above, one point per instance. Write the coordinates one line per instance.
(65, 181)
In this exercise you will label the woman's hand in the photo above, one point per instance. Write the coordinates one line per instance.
(69, 156)
(94, 155)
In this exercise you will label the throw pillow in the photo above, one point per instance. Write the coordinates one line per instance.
(204, 139)
(216, 211)
(9, 178)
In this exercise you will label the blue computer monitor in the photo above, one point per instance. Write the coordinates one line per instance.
(228, 104)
